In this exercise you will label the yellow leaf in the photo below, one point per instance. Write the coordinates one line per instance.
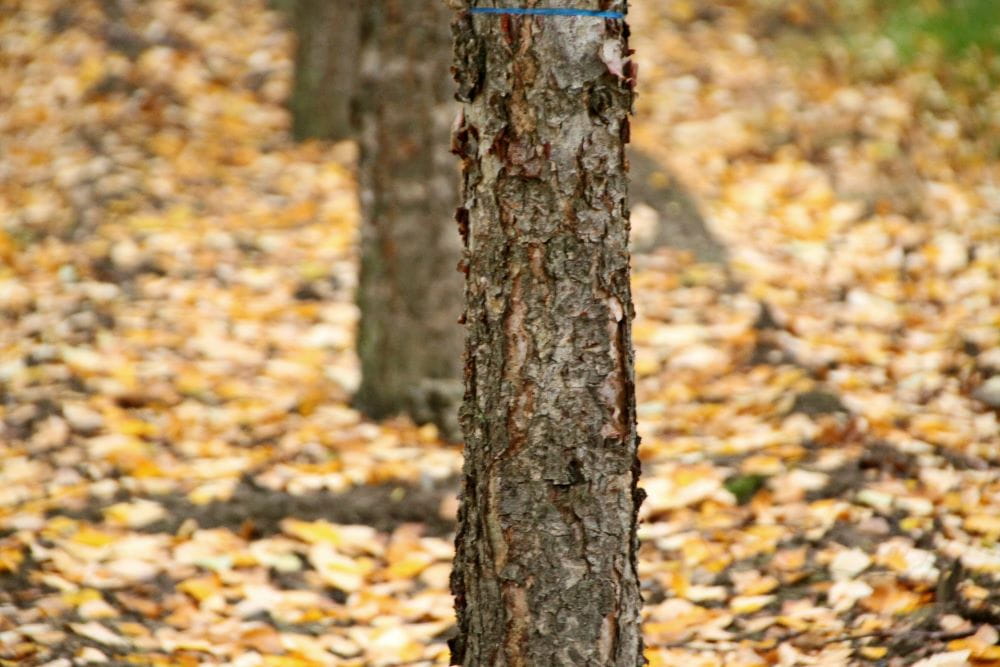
(313, 270)
(99, 633)
(96, 608)
(93, 538)
(748, 604)
(428, 433)
(143, 467)
(136, 427)
(409, 567)
(131, 629)
(298, 213)
(682, 11)
(263, 639)
(873, 652)
(988, 653)
(8, 247)
(60, 526)
(789, 560)
(313, 532)
(76, 598)
(213, 491)
(646, 363)
(982, 645)
(135, 514)
(90, 71)
(84, 361)
(168, 145)
(988, 524)
(191, 382)
(762, 465)
(11, 557)
(288, 661)
(896, 560)
(200, 588)
(347, 574)
(793, 622)
(312, 615)
(889, 599)
(761, 586)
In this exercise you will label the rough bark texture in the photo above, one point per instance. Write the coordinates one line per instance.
(409, 341)
(545, 569)
(326, 66)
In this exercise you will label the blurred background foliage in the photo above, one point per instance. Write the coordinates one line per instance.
(948, 48)
(960, 28)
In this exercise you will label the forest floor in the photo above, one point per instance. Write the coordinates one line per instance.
(183, 482)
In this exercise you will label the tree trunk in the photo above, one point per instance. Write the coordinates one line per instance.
(545, 569)
(326, 65)
(410, 294)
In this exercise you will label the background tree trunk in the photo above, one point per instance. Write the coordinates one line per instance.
(545, 568)
(326, 66)
(410, 294)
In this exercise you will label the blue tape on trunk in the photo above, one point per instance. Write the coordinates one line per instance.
(548, 11)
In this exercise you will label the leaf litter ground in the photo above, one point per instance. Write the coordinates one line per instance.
(184, 482)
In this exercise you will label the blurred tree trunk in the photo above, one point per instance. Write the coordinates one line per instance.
(545, 569)
(281, 5)
(410, 294)
(326, 65)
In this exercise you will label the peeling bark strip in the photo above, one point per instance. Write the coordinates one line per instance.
(545, 569)
(409, 340)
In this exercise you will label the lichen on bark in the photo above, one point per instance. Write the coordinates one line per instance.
(545, 570)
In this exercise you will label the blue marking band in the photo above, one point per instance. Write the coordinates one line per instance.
(548, 11)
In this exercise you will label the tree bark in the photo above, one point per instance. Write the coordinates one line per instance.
(545, 569)
(410, 294)
(326, 66)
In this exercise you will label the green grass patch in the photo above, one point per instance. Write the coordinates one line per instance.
(957, 27)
